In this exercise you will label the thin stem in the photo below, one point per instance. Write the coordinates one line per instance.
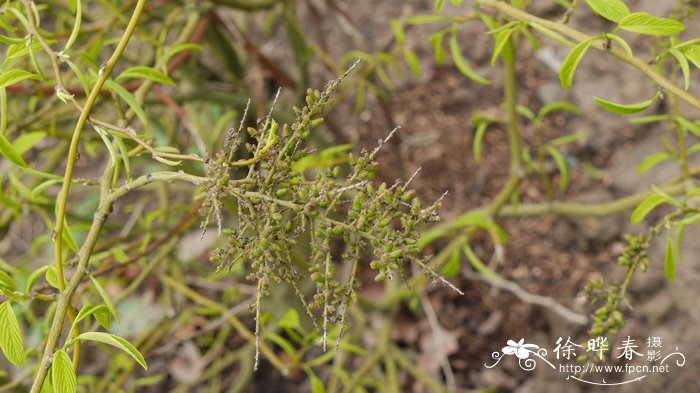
(65, 297)
(62, 200)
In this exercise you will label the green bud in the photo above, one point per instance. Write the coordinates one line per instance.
(282, 192)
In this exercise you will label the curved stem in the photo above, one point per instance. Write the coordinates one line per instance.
(99, 219)
(64, 307)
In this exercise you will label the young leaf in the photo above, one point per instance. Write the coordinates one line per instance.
(478, 265)
(413, 62)
(129, 98)
(34, 276)
(685, 67)
(316, 383)
(693, 54)
(423, 19)
(551, 33)
(63, 376)
(436, 41)
(558, 106)
(76, 25)
(649, 119)
(15, 76)
(621, 42)
(439, 4)
(7, 284)
(105, 297)
(502, 39)
(625, 109)
(563, 167)
(25, 142)
(10, 153)
(451, 268)
(143, 72)
(479, 139)
(653, 160)
(399, 32)
(573, 59)
(114, 341)
(51, 276)
(688, 125)
(101, 313)
(670, 260)
(179, 48)
(678, 244)
(644, 208)
(612, 10)
(643, 23)
(461, 62)
(11, 342)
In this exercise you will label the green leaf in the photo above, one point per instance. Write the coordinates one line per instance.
(143, 72)
(51, 276)
(413, 62)
(129, 98)
(63, 376)
(678, 244)
(76, 25)
(693, 54)
(439, 4)
(84, 81)
(114, 341)
(423, 19)
(461, 62)
(685, 67)
(479, 139)
(399, 32)
(25, 142)
(105, 297)
(688, 125)
(39, 190)
(550, 33)
(502, 39)
(180, 48)
(11, 341)
(625, 109)
(283, 343)
(15, 76)
(7, 284)
(653, 160)
(612, 10)
(451, 268)
(650, 119)
(621, 42)
(34, 276)
(643, 23)
(558, 106)
(439, 50)
(10, 153)
(647, 205)
(316, 383)
(478, 265)
(101, 313)
(290, 320)
(561, 164)
(670, 260)
(571, 62)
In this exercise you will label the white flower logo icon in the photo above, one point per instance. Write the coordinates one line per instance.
(519, 349)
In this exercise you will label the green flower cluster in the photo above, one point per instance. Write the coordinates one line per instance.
(279, 206)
